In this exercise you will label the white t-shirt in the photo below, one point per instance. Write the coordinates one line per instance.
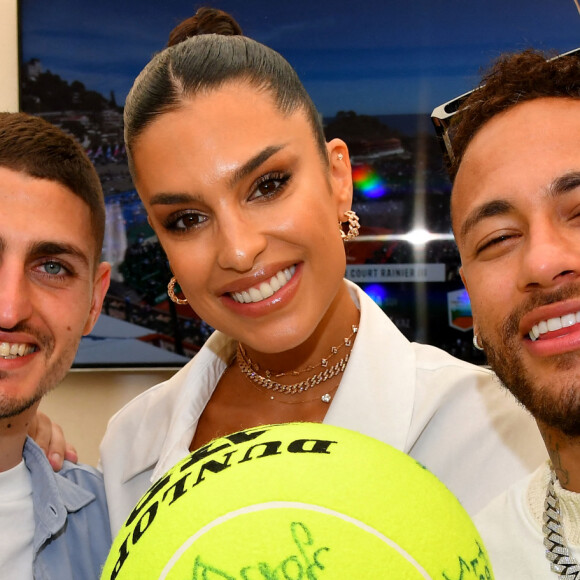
(16, 524)
(511, 528)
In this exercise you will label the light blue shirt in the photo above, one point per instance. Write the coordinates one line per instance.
(72, 533)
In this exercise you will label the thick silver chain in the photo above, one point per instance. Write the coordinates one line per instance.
(557, 551)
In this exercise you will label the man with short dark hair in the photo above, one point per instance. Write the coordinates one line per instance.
(52, 526)
(514, 156)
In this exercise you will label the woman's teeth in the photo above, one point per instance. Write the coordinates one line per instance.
(553, 324)
(13, 350)
(265, 289)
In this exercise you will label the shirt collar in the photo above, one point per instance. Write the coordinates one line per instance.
(53, 496)
(168, 422)
(382, 359)
(377, 391)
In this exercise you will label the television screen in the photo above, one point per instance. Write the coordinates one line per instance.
(375, 71)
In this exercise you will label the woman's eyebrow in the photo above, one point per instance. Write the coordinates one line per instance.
(171, 198)
(238, 174)
(253, 163)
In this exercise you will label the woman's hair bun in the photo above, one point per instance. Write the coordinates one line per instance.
(205, 21)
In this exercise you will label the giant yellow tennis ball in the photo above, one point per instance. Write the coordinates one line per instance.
(299, 501)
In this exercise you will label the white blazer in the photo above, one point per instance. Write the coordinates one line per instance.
(451, 416)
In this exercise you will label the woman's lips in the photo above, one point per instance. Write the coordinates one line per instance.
(265, 289)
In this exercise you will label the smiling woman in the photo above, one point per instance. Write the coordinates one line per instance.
(248, 200)
(241, 209)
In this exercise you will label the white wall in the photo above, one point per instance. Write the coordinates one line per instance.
(8, 55)
(85, 400)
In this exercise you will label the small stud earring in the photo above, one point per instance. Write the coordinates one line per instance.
(340, 156)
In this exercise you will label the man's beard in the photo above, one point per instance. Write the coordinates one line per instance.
(554, 402)
(54, 374)
(10, 407)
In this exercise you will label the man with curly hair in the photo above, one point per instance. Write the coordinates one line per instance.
(513, 151)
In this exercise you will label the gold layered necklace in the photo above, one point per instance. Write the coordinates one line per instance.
(267, 379)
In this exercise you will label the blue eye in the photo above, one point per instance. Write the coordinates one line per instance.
(53, 268)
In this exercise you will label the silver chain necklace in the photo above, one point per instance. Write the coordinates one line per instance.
(557, 551)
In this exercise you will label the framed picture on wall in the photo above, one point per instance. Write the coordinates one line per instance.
(375, 71)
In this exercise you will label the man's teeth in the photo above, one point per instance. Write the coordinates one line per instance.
(553, 324)
(13, 349)
(265, 289)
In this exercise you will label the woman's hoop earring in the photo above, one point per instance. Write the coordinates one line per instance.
(353, 226)
(476, 342)
(171, 292)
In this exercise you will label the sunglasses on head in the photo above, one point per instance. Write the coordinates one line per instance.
(441, 115)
